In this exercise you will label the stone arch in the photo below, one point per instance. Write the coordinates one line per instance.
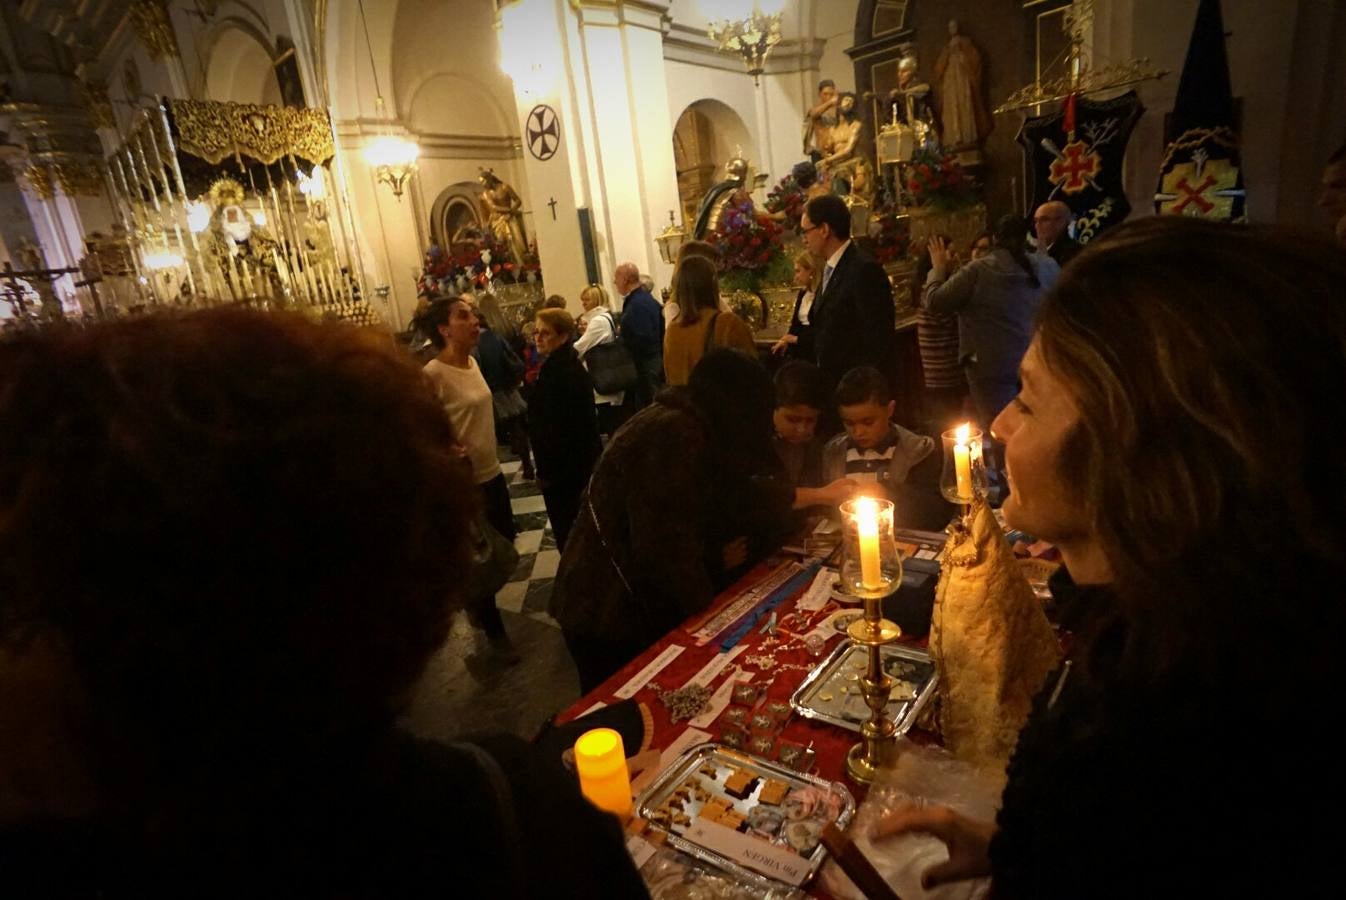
(707, 135)
(456, 206)
(436, 101)
(240, 64)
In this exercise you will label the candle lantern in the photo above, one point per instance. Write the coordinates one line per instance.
(871, 569)
(964, 476)
(600, 762)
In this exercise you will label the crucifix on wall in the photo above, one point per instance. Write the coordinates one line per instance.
(552, 204)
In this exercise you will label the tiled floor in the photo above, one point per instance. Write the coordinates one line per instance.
(452, 699)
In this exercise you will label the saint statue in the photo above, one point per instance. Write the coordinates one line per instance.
(820, 120)
(963, 117)
(841, 160)
(503, 211)
(909, 102)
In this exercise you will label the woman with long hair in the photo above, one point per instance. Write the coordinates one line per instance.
(700, 324)
(561, 421)
(680, 500)
(996, 299)
(454, 329)
(1171, 439)
(797, 343)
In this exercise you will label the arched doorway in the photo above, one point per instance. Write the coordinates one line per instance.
(707, 135)
(241, 66)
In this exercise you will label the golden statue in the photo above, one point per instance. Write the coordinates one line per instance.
(503, 212)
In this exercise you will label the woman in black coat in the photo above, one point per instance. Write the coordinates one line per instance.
(561, 421)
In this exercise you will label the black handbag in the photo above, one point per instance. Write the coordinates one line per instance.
(610, 365)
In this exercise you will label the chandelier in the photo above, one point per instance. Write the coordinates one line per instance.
(751, 37)
(392, 158)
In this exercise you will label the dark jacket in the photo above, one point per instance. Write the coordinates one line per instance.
(500, 365)
(1195, 784)
(1064, 250)
(649, 494)
(423, 819)
(804, 346)
(561, 420)
(643, 325)
(853, 318)
(997, 306)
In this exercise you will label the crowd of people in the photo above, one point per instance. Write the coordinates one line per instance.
(232, 540)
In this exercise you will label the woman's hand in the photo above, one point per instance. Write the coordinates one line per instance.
(784, 344)
(939, 255)
(840, 490)
(735, 553)
(967, 840)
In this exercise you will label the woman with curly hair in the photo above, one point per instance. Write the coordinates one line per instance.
(229, 543)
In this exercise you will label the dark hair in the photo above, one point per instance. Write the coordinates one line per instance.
(800, 383)
(1203, 359)
(248, 531)
(433, 314)
(830, 210)
(864, 384)
(733, 393)
(826, 83)
(804, 173)
(695, 287)
(1338, 156)
(699, 248)
(1011, 235)
(555, 301)
(982, 236)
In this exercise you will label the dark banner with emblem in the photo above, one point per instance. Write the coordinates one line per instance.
(1201, 174)
(1075, 155)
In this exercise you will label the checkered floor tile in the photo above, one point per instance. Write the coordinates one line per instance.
(529, 588)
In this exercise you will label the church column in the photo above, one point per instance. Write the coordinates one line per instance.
(599, 66)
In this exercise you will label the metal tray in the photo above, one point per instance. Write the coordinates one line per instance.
(831, 692)
(695, 767)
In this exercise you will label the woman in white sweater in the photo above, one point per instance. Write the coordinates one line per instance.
(599, 325)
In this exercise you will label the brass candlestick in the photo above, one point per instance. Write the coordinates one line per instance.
(871, 567)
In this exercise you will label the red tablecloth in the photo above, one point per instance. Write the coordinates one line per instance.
(830, 743)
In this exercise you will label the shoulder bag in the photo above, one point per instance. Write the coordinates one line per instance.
(610, 364)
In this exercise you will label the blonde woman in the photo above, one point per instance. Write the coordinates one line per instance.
(597, 325)
(797, 343)
(701, 323)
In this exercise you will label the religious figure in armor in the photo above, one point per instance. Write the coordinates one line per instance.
(820, 120)
(841, 160)
(963, 117)
(721, 195)
(503, 211)
(909, 102)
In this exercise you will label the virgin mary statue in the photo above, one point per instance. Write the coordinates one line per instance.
(958, 79)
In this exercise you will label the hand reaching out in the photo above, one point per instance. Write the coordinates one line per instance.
(968, 841)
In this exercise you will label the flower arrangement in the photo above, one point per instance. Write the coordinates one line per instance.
(892, 242)
(935, 179)
(787, 197)
(750, 248)
(473, 266)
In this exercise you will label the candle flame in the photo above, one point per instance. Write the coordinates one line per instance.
(962, 433)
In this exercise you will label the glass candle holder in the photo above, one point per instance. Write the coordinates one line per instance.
(964, 476)
(870, 563)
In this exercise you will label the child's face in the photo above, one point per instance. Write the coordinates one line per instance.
(867, 423)
(795, 424)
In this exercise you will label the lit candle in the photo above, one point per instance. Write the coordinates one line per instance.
(600, 761)
(962, 462)
(867, 524)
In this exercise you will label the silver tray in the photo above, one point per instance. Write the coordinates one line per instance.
(831, 692)
(695, 766)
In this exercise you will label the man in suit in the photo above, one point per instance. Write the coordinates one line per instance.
(853, 312)
(1051, 224)
(643, 332)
